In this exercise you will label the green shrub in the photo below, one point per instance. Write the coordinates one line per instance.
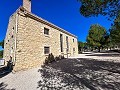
(46, 60)
(61, 57)
(1, 54)
(57, 58)
(51, 58)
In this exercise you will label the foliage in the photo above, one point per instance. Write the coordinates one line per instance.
(1, 54)
(2, 44)
(115, 31)
(90, 8)
(97, 36)
(51, 58)
(80, 46)
(9, 65)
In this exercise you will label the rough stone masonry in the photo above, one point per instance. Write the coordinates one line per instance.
(30, 39)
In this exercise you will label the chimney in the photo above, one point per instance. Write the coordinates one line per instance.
(27, 5)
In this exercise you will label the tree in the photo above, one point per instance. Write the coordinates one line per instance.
(115, 31)
(1, 52)
(97, 36)
(2, 43)
(90, 8)
(80, 46)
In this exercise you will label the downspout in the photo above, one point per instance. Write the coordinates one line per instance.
(15, 39)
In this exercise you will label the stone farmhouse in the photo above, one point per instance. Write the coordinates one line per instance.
(30, 39)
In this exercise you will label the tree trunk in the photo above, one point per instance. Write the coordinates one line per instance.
(98, 49)
(110, 48)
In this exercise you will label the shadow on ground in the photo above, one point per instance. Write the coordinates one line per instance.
(3, 86)
(77, 74)
(4, 71)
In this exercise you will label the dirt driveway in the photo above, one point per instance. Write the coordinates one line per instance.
(81, 73)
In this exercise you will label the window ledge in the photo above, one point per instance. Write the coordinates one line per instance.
(46, 54)
(46, 35)
(62, 52)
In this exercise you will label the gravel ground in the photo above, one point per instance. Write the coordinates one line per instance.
(23, 80)
(88, 71)
(111, 56)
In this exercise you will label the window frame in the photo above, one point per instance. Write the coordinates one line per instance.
(73, 40)
(46, 31)
(61, 42)
(73, 49)
(48, 51)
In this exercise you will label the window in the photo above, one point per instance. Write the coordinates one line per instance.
(73, 49)
(73, 40)
(46, 31)
(67, 43)
(13, 28)
(12, 36)
(46, 50)
(61, 42)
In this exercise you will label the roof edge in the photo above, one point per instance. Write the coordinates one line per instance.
(33, 16)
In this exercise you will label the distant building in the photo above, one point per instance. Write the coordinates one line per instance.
(30, 39)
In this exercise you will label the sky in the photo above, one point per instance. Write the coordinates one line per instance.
(63, 13)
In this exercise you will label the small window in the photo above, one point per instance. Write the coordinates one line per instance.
(13, 28)
(73, 40)
(74, 49)
(46, 31)
(12, 36)
(46, 50)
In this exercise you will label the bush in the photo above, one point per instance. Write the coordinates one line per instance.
(46, 60)
(51, 58)
(61, 57)
(80, 52)
(10, 65)
(1, 54)
(57, 58)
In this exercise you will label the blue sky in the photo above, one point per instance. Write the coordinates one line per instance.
(63, 13)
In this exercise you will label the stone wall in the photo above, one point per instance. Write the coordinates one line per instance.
(31, 40)
(9, 45)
